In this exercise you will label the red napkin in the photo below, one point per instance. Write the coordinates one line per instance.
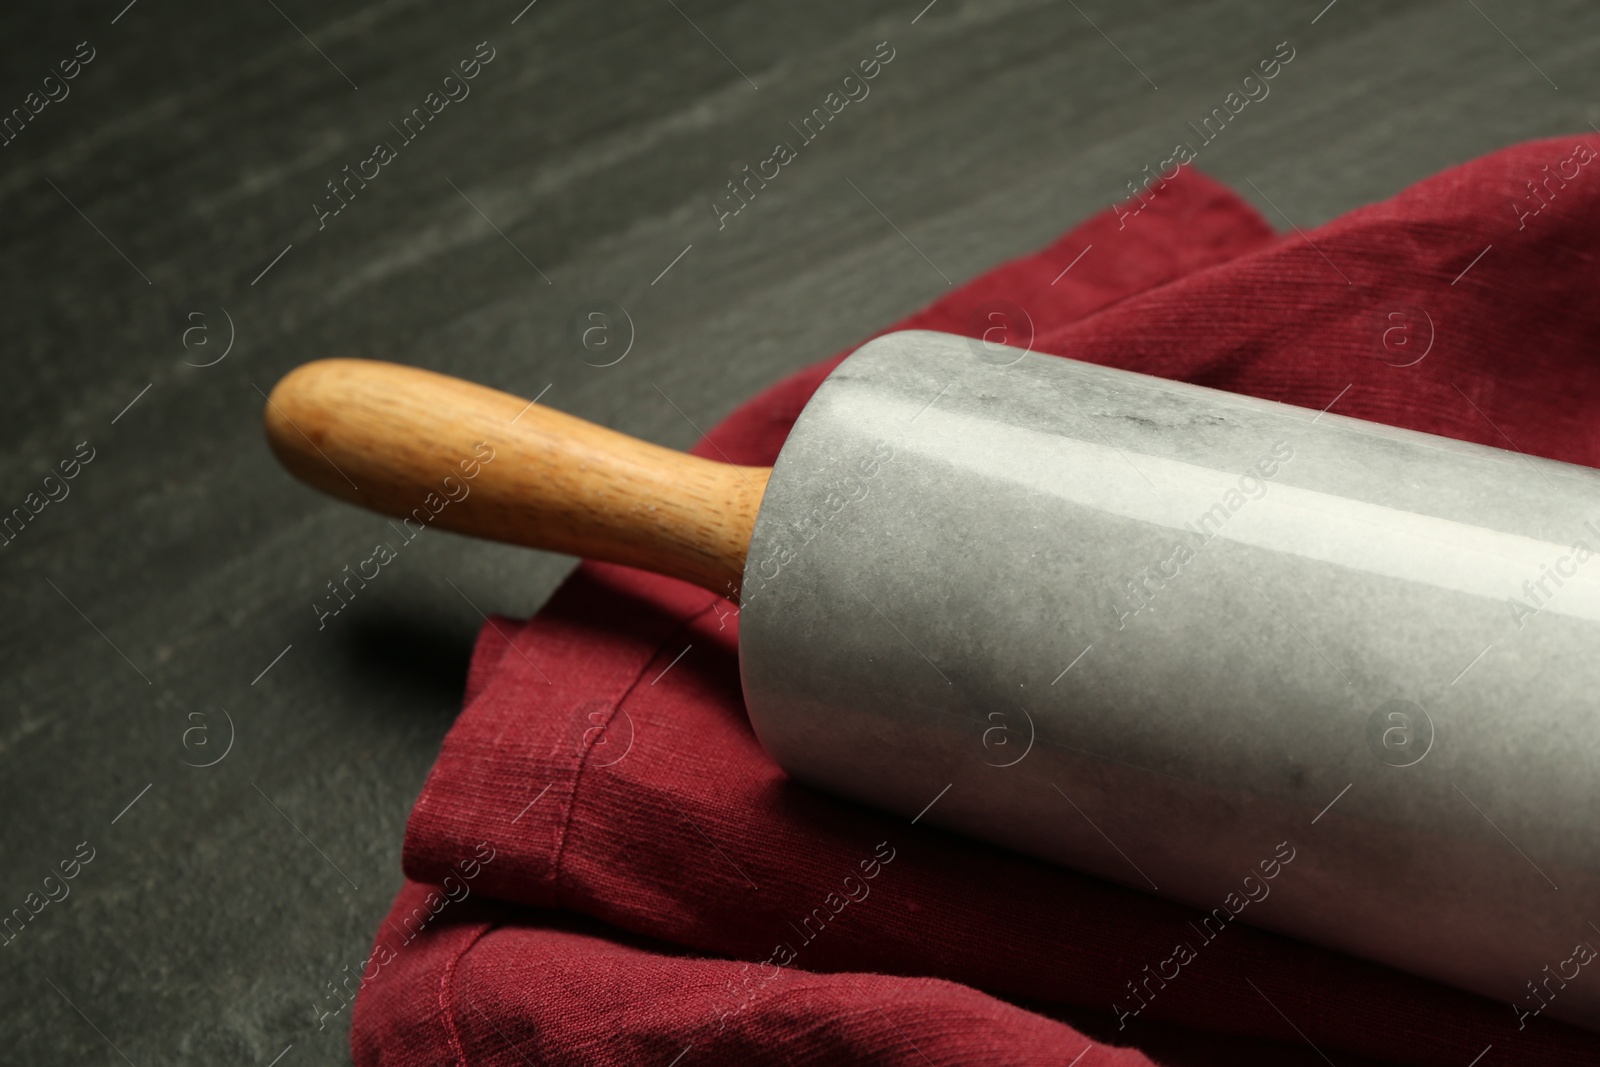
(624, 876)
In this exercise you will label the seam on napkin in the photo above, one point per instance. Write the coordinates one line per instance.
(583, 754)
(446, 980)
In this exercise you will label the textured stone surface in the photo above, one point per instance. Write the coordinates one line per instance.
(195, 144)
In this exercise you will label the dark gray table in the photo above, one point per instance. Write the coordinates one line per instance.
(163, 210)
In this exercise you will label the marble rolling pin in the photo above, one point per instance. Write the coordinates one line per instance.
(1326, 677)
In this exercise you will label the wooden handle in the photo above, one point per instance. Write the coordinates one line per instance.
(440, 452)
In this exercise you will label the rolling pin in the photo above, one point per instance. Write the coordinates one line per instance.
(1330, 678)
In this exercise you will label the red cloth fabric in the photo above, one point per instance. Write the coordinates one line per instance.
(658, 887)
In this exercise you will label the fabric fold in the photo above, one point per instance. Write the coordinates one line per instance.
(497, 986)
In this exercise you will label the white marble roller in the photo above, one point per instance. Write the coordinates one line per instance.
(1181, 638)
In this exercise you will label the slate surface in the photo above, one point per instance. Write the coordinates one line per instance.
(164, 206)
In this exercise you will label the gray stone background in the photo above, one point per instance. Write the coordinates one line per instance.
(152, 200)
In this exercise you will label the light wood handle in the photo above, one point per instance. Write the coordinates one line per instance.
(441, 452)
